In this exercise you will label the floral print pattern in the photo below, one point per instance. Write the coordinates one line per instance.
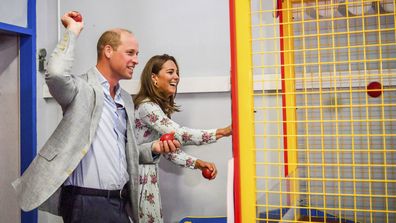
(186, 137)
(165, 122)
(146, 133)
(138, 124)
(206, 137)
(150, 123)
(152, 118)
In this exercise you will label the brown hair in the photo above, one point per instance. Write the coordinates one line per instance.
(111, 38)
(149, 91)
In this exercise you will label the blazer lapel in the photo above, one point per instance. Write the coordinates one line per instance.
(98, 91)
(130, 115)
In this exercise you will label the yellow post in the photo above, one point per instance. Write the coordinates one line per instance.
(245, 111)
(289, 102)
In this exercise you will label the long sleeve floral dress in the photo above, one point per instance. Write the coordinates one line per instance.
(150, 123)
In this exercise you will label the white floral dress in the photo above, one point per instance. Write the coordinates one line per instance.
(150, 123)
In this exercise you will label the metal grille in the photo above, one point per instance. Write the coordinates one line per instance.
(325, 115)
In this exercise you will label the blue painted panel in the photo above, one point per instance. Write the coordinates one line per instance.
(27, 86)
(278, 214)
(204, 220)
(4, 27)
(28, 109)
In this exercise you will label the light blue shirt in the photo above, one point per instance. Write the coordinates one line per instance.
(104, 166)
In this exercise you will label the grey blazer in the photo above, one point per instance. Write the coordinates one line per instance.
(81, 99)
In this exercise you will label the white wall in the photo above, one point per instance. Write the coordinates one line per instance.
(48, 111)
(197, 34)
(9, 126)
(14, 12)
(186, 192)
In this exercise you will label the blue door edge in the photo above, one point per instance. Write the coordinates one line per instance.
(28, 100)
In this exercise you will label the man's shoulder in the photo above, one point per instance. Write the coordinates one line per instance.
(84, 76)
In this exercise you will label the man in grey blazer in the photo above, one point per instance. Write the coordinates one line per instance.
(92, 157)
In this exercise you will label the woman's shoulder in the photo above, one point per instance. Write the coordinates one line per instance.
(148, 109)
(147, 104)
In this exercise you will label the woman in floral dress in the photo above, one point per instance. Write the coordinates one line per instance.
(154, 105)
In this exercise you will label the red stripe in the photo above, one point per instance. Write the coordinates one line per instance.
(234, 107)
(284, 116)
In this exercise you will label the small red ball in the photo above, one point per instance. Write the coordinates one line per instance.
(167, 136)
(77, 18)
(207, 173)
(374, 89)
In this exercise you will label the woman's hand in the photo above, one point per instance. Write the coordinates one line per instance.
(166, 146)
(200, 164)
(222, 132)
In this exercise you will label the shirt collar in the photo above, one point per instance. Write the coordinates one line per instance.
(106, 88)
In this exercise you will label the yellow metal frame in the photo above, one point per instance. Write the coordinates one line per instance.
(245, 111)
(339, 150)
(290, 101)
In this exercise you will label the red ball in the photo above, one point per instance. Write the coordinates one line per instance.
(77, 18)
(167, 136)
(374, 89)
(207, 173)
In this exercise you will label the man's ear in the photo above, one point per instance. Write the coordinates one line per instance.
(108, 51)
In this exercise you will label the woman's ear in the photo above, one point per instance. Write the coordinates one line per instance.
(154, 78)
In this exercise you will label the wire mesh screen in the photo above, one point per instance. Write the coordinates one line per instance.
(325, 115)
